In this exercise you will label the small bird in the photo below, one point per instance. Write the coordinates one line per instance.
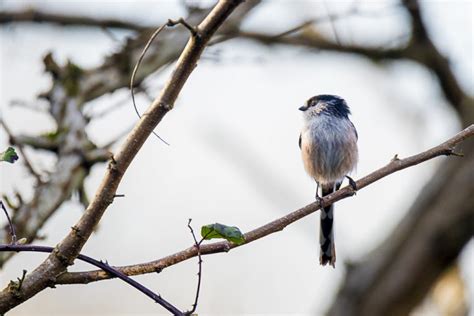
(328, 143)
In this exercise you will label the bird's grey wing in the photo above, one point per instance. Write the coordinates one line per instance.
(299, 141)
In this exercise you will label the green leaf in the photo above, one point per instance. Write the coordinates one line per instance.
(230, 233)
(9, 155)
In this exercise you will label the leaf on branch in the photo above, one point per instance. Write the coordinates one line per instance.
(230, 233)
(9, 155)
(22, 241)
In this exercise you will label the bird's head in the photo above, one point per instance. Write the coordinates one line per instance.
(326, 104)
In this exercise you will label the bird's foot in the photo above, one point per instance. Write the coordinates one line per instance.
(352, 183)
(319, 199)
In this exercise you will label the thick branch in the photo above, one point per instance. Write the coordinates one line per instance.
(88, 84)
(71, 245)
(279, 224)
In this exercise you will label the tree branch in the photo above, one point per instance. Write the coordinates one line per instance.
(395, 277)
(419, 48)
(69, 248)
(86, 85)
(102, 265)
(32, 15)
(446, 148)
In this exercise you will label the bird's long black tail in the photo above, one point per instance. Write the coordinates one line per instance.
(326, 236)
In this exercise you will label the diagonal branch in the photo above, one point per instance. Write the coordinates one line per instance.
(396, 276)
(87, 84)
(446, 148)
(69, 248)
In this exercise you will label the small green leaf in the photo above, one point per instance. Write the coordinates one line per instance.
(9, 155)
(22, 241)
(230, 233)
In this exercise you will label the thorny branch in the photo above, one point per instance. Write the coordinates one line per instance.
(198, 247)
(446, 148)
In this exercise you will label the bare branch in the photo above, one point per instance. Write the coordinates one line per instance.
(423, 50)
(75, 153)
(10, 224)
(100, 264)
(37, 142)
(446, 148)
(198, 288)
(135, 69)
(76, 156)
(395, 277)
(70, 246)
(418, 48)
(31, 15)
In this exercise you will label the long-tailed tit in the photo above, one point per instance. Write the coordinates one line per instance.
(328, 143)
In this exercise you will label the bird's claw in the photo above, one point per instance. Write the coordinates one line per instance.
(352, 183)
(319, 199)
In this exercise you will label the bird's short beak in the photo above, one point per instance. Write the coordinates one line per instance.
(303, 108)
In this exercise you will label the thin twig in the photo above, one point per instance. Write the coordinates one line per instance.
(20, 280)
(198, 247)
(135, 69)
(169, 23)
(354, 10)
(28, 106)
(12, 227)
(332, 23)
(191, 29)
(446, 148)
(23, 154)
(103, 266)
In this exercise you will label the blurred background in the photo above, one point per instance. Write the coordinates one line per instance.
(234, 159)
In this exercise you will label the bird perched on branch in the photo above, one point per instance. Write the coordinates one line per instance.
(328, 143)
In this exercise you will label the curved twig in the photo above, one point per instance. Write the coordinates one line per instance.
(134, 73)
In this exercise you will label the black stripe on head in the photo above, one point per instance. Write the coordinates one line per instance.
(335, 105)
